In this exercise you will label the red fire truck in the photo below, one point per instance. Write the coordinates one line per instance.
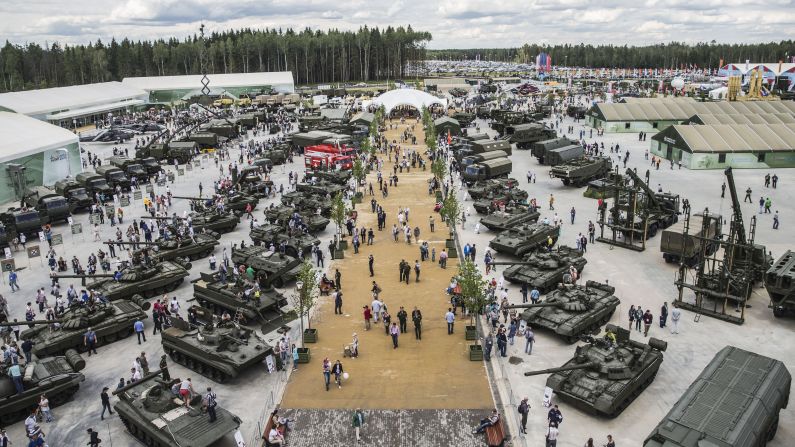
(328, 156)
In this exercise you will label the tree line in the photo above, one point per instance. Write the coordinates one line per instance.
(313, 56)
(668, 55)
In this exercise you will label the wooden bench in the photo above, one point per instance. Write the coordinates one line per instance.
(495, 434)
(267, 431)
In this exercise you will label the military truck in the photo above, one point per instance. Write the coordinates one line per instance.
(743, 387)
(114, 176)
(223, 127)
(580, 171)
(489, 169)
(544, 270)
(94, 183)
(52, 207)
(205, 140)
(525, 238)
(524, 135)
(702, 239)
(151, 165)
(131, 166)
(76, 194)
(18, 222)
(563, 154)
(540, 148)
(478, 158)
(781, 286)
(603, 377)
(182, 151)
(511, 217)
(481, 146)
(272, 268)
(57, 377)
(576, 111)
(156, 417)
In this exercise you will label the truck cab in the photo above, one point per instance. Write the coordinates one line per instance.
(132, 167)
(27, 222)
(114, 176)
(151, 165)
(75, 193)
(94, 183)
(50, 205)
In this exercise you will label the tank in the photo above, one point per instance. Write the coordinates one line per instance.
(303, 201)
(57, 377)
(496, 199)
(603, 378)
(157, 418)
(218, 297)
(111, 321)
(743, 387)
(572, 311)
(336, 177)
(232, 202)
(511, 217)
(280, 214)
(544, 270)
(173, 250)
(206, 221)
(525, 238)
(320, 187)
(150, 280)
(272, 268)
(482, 188)
(217, 351)
(780, 285)
(580, 171)
(276, 235)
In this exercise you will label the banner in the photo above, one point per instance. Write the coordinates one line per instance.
(55, 166)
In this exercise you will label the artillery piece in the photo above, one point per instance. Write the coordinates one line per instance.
(544, 270)
(572, 311)
(155, 278)
(158, 418)
(512, 216)
(603, 377)
(523, 239)
(200, 246)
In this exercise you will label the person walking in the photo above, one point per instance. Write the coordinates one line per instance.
(337, 370)
(370, 261)
(358, 421)
(139, 330)
(416, 318)
(44, 408)
(450, 318)
(530, 338)
(402, 316)
(416, 271)
(502, 342)
(648, 319)
(326, 372)
(12, 281)
(775, 220)
(105, 399)
(394, 332)
(367, 317)
(90, 341)
(638, 318)
(552, 435)
(524, 410)
(211, 402)
(337, 302)
(676, 314)
(664, 314)
(748, 196)
(376, 306)
(93, 438)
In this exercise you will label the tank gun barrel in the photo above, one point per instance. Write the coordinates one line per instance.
(145, 378)
(561, 369)
(98, 275)
(511, 263)
(191, 198)
(19, 323)
(130, 243)
(531, 306)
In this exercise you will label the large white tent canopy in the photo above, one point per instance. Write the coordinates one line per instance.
(407, 97)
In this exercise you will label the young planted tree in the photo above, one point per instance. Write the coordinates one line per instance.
(451, 211)
(439, 169)
(339, 211)
(358, 172)
(305, 295)
(473, 287)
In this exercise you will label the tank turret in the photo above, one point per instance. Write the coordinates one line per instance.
(524, 238)
(154, 278)
(200, 246)
(544, 270)
(271, 267)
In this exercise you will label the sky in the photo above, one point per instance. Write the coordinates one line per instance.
(453, 23)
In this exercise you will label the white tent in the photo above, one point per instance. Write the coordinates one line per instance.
(407, 97)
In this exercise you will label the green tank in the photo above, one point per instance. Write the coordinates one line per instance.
(780, 285)
(321, 187)
(511, 217)
(149, 280)
(337, 177)
(201, 246)
(158, 418)
(218, 297)
(495, 199)
(57, 377)
(273, 234)
(280, 214)
(525, 238)
(209, 221)
(232, 202)
(304, 201)
(217, 351)
(481, 188)
(572, 311)
(604, 378)
(544, 270)
(111, 321)
(271, 267)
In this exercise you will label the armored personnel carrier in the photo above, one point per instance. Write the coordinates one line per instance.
(218, 352)
(321, 187)
(497, 199)
(110, 321)
(304, 201)
(281, 214)
(580, 171)
(176, 250)
(272, 268)
(243, 299)
(157, 418)
(525, 238)
(544, 270)
(156, 278)
(604, 378)
(511, 217)
(209, 221)
(481, 188)
(294, 244)
(57, 377)
(780, 285)
(573, 311)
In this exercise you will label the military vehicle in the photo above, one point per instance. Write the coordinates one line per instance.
(512, 216)
(131, 166)
(226, 127)
(247, 301)
(480, 189)
(150, 280)
(525, 238)
(158, 418)
(217, 351)
(278, 154)
(502, 119)
(114, 176)
(110, 321)
(207, 221)
(304, 202)
(182, 151)
(780, 285)
(276, 235)
(544, 270)
(500, 167)
(562, 155)
(281, 214)
(739, 386)
(676, 246)
(232, 202)
(94, 183)
(524, 135)
(272, 268)
(19, 222)
(576, 111)
(604, 378)
(500, 199)
(580, 171)
(477, 158)
(51, 206)
(57, 377)
(112, 135)
(457, 92)
(75, 193)
(205, 140)
(604, 187)
(201, 246)
(151, 165)
(540, 148)
(338, 177)
(482, 146)
(320, 187)
(5, 236)
(463, 118)
(572, 311)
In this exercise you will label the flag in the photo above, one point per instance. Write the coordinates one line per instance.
(449, 138)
